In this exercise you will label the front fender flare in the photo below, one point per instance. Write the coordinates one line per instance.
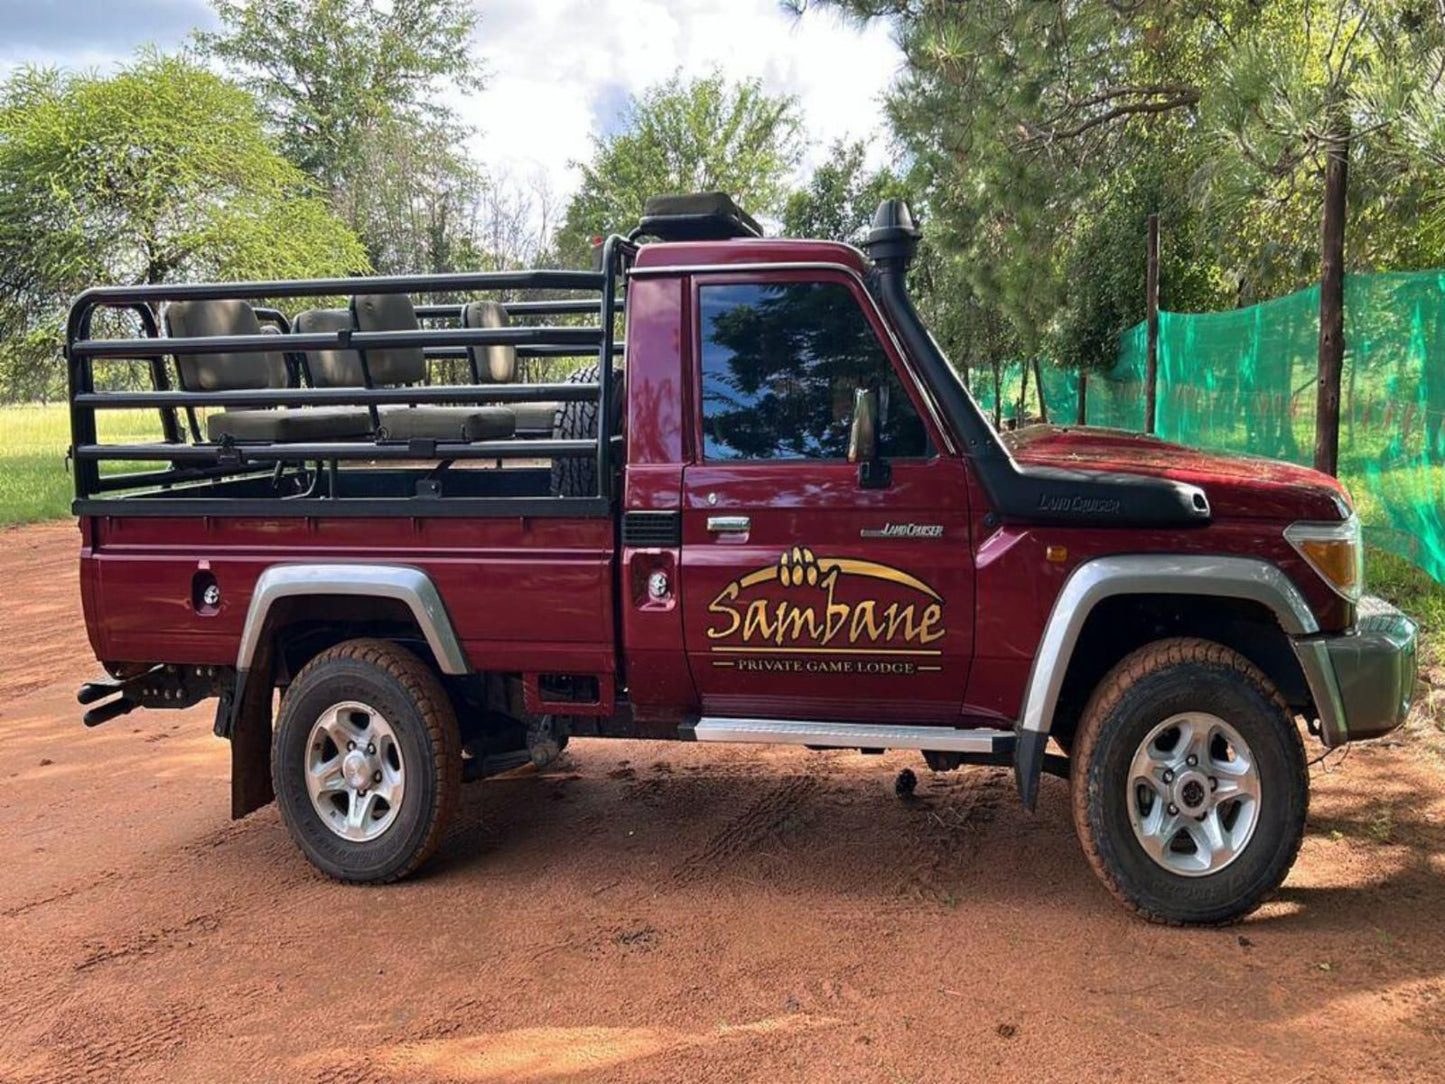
(1143, 574)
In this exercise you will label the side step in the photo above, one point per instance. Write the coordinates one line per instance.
(940, 739)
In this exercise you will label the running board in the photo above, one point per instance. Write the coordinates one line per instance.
(939, 739)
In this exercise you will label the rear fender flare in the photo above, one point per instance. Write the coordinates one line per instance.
(408, 585)
(1143, 574)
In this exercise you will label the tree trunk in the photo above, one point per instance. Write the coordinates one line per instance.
(1151, 308)
(1021, 418)
(997, 398)
(1039, 384)
(1332, 306)
(1083, 398)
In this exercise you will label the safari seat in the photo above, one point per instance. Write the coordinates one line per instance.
(497, 364)
(401, 365)
(237, 371)
(393, 366)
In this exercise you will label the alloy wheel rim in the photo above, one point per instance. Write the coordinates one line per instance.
(355, 774)
(1193, 794)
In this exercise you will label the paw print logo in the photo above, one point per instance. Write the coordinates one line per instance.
(798, 566)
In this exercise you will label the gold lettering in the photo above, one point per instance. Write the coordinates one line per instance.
(865, 622)
(818, 622)
(931, 629)
(755, 624)
(720, 605)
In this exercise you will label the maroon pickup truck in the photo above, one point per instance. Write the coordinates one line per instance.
(768, 510)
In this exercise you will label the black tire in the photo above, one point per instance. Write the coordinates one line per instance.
(576, 475)
(408, 694)
(1155, 683)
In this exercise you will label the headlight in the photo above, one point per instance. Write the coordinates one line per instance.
(1335, 551)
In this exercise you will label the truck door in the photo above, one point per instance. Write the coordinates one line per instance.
(806, 593)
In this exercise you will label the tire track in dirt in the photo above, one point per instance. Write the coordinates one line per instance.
(744, 832)
(952, 819)
(148, 942)
(107, 1047)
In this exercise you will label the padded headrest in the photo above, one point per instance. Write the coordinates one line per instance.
(329, 368)
(495, 364)
(389, 312)
(226, 371)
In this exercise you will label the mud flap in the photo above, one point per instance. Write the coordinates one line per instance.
(250, 734)
(1029, 765)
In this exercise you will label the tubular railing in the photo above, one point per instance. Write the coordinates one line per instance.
(203, 461)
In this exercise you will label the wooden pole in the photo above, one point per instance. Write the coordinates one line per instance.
(1151, 301)
(1023, 396)
(997, 398)
(1039, 384)
(1332, 306)
(1083, 398)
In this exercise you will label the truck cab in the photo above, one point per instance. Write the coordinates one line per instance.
(782, 518)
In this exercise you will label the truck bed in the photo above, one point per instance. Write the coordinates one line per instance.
(518, 589)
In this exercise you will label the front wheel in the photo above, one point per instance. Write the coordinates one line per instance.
(1189, 787)
(366, 761)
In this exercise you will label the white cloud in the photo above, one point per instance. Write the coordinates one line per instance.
(558, 70)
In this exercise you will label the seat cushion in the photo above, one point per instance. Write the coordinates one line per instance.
(329, 368)
(535, 417)
(447, 423)
(389, 312)
(495, 364)
(303, 423)
(231, 370)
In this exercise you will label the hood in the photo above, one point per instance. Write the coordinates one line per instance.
(1238, 486)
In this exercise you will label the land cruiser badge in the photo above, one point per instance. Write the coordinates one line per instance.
(903, 530)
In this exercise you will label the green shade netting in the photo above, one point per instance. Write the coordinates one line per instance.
(1244, 381)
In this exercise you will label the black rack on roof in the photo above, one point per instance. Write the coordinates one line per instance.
(700, 216)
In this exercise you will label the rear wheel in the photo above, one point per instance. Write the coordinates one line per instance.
(1189, 783)
(366, 761)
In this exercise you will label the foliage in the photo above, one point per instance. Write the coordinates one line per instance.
(1301, 77)
(685, 136)
(839, 199)
(159, 172)
(351, 88)
(1046, 132)
(326, 71)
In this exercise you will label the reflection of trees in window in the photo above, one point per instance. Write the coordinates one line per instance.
(780, 366)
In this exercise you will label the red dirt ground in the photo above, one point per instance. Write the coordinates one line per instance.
(668, 912)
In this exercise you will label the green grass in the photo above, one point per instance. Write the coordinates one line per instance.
(34, 482)
(1408, 587)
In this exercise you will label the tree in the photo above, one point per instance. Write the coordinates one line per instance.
(685, 136)
(352, 88)
(1019, 113)
(157, 173)
(326, 71)
(838, 202)
(1303, 111)
(1047, 132)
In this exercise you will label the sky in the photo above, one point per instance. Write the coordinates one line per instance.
(558, 71)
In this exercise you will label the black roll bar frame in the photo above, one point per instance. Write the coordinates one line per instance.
(198, 461)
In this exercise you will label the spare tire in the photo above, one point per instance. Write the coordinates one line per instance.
(576, 475)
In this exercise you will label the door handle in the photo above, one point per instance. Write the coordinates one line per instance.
(728, 524)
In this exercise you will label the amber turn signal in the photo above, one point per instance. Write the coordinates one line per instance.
(1335, 551)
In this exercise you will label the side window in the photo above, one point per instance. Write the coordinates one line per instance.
(780, 364)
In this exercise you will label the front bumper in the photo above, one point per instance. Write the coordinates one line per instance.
(1362, 681)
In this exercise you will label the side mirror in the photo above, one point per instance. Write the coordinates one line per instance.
(873, 472)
